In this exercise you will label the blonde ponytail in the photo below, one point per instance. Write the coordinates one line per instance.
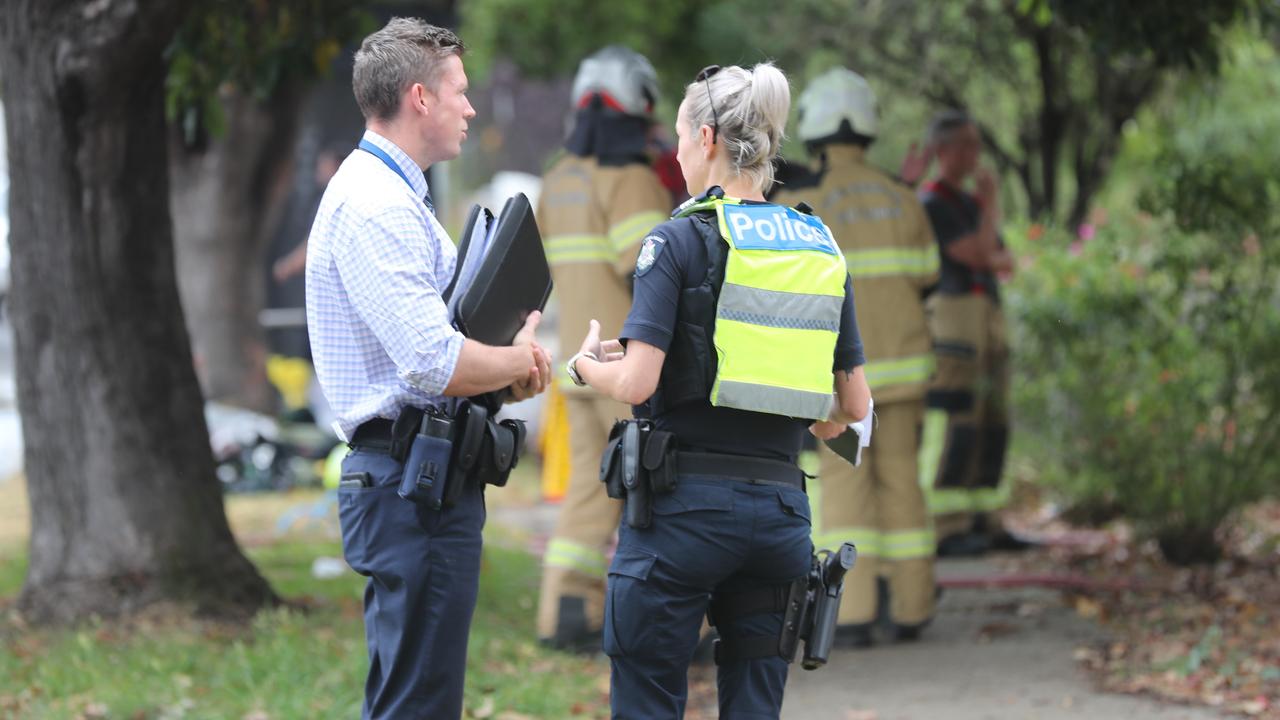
(752, 108)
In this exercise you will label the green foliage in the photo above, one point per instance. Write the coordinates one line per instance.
(1147, 355)
(290, 663)
(549, 38)
(255, 46)
(1188, 35)
(1051, 82)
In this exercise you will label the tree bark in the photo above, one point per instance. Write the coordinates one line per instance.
(125, 509)
(227, 194)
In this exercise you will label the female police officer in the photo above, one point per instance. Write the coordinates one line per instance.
(742, 315)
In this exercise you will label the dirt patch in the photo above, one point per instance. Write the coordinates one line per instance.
(15, 513)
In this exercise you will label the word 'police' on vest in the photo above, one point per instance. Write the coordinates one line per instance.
(772, 227)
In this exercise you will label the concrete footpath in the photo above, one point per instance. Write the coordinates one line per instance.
(991, 654)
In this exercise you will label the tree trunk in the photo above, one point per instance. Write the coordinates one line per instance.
(227, 193)
(1051, 122)
(125, 508)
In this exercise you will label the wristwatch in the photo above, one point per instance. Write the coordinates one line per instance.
(571, 367)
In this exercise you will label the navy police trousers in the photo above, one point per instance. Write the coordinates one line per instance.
(708, 535)
(424, 572)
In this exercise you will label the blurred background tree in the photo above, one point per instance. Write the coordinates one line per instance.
(1050, 83)
(549, 38)
(125, 508)
(239, 73)
(1158, 331)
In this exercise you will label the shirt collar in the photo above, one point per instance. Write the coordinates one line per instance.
(407, 166)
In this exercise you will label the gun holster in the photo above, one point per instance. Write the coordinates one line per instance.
(638, 463)
(810, 606)
(403, 430)
(485, 450)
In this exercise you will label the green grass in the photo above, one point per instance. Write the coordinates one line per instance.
(288, 663)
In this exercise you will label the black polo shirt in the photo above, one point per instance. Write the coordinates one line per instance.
(954, 214)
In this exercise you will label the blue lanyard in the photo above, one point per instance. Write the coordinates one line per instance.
(382, 155)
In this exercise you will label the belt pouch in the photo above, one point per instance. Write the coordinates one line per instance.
(426, 471)
(611, 463)
(519, 432)
(499, 452)
(638, 511)
(659, 461)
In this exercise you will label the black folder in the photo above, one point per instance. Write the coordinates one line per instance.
(512, 280)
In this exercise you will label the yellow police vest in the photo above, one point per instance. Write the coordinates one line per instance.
(778, 314)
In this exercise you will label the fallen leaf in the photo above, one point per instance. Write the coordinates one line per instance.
(1256, 706)
(1087, 608)
(992, 631)
(485, 711)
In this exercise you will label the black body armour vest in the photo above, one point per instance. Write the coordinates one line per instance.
(689, 370)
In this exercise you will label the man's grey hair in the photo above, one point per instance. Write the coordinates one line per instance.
(944, 125)
(406, 51)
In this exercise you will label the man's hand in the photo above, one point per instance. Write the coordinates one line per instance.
(1002, 263)
(827, 429)
(916, 163)
(539, 376)
(985, 187)
(291, 264)
(528, 333)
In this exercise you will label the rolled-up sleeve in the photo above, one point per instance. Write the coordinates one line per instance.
(388, 278)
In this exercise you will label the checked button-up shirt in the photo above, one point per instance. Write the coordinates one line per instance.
(377, 261)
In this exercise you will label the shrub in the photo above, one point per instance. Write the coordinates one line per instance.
(1148, 375)
(1148, 356)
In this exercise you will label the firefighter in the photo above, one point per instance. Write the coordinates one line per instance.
(966, 427)
(889, 248)
(598, 201)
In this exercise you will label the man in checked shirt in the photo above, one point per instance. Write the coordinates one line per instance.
(382, 341)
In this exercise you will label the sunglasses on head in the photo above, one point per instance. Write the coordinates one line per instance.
(704, 76)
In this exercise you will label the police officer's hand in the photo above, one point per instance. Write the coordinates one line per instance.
(591, 343)
(613, 350)
(604, 351)
(827, 429)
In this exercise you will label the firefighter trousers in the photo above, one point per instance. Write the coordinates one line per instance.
(966, 429)
(574, 566)
(880, 507)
